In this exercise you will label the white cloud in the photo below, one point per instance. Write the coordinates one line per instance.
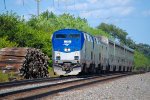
(95, 8)
(19, 2)
(116, 2)
(122, 11)
(64, 1)
(52, 9)
(108, 3)
(80, 6)
(114, 11)
(146, 13)
(92, 1)
(105, 8)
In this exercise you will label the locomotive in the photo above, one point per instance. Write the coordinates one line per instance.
(75, 52)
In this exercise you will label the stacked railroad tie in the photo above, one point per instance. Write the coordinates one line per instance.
(29, 62)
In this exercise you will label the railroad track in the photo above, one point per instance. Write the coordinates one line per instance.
(56, 85)
(31, 81)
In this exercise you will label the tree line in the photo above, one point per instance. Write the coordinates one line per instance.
(35, 32)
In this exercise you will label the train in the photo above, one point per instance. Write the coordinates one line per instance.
(77, 52)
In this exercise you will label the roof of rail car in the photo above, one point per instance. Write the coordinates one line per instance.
(124, 46)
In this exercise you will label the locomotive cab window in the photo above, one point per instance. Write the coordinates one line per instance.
(74, 36)
(60, 36)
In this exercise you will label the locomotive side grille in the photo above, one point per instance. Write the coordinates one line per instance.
(76, 57)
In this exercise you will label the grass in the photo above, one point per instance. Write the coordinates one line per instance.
(8, 76)
(5, 77)
(51, 72)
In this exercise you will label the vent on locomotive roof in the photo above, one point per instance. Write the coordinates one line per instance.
(103, 39)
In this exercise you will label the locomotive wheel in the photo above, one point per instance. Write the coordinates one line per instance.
(124, 69)
(93, 69)
(114, 69)
(127, 69)
(130, 69)
(98, 70)
(90, 69)
(84, 70)
(108, 69)
(119, 68)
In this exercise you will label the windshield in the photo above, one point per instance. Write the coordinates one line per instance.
(61, 36)
(74, 36)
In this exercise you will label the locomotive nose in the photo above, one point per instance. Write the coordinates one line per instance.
(71, 57)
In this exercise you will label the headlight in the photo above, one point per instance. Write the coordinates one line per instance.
(65, 49)
(68, 49)
(76, 53)
(58, 54)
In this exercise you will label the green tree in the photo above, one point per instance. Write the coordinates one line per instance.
(6, 43)
(114, 31)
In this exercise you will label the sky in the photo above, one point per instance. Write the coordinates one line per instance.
(133, 16)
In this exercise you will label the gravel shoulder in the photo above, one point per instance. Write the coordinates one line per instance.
(135, 87)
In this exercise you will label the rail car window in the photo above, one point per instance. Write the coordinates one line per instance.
(74, 36)
(95, 40)
(88, 37)
(60, 36)
(91, 39)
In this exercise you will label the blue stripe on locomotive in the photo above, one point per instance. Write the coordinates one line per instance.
(75, 45)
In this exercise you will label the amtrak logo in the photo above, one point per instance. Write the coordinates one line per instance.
(67, 42)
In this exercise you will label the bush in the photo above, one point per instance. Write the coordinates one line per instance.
(6, 43)
(141, 62)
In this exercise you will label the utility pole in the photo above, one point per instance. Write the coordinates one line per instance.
(5, 4)
(38, 7)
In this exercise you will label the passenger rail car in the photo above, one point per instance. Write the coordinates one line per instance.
(77, 52)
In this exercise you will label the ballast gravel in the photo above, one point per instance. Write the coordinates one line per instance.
(134, 87)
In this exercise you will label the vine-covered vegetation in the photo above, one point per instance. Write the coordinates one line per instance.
(15, 31)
